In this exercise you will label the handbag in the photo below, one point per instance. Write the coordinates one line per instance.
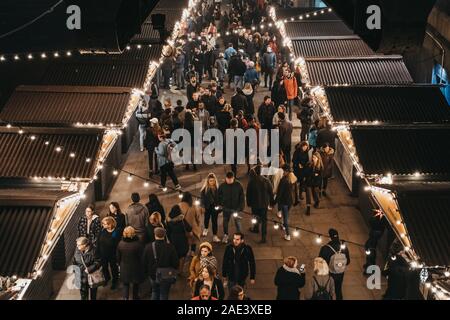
(95, 279)
(165, 274)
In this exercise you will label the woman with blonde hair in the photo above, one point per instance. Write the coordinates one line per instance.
(313, 180)
(129, 254)
(210, 200)
(155, 221)
(321, 286)
(289, 279)
(223, 118)
(204, 258)
(108, 241)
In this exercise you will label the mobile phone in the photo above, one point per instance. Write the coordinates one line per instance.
(302, 268)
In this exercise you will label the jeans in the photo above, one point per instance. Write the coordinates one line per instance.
(261, 216)
(87, 292)
(285, 212)
(212, 214)
(227, 213)
(151, 159)
(338, 280)
(180, 78)
(238, 82)
(160, 291)
(142, 135)
(268, 75)
(314, 192)
(167, 169)
(305, 131)
(126, 291)
(290, 104)
(110, 263)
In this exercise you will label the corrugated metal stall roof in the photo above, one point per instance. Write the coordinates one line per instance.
(25, 217)
(302, 29)
(287, 13)
(150, 35)
(353, 46)
(149, 52)
(403, 150)
(22, 157)
(375, 70)
(425, 212)
(66, 105)
(390, 104)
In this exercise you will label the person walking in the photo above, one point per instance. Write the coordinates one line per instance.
(232, 201)
(166, 165)
(284, 198)
(259, 199)
(106, 250)
(266, 112)
(204, 258)
(129, 257)
(300, 160)
(136, 216)
(249, 94)
(208, 277)
(192, 217)
(86, 261)
(143, 116)
(269, 63)
(313, 181)
(160, 255)
(179, 69)
(291, 86)
(222, 69)
(238, 262)
(210, 202)
(337, 256)
(89, 225)
(151, 142)
(327, 155)
(289, 279)
(179, 232)
(321, 286)
(239, 101)
(285, 131)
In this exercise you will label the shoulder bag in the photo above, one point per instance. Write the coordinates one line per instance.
(95, 279)
(164, 274)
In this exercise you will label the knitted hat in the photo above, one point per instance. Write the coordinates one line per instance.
(333, 234)
(207, 245)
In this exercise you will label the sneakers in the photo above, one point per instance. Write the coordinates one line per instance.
(178, 187)
(216, 239)
(205, 232)
(287, 238)
(279, 214)
(225, 239)
(142, 149)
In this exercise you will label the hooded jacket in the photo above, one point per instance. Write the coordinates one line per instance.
(288, 282)
(136, 216)
(177, 228)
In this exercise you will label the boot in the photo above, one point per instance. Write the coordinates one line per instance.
(316, 204)
(308, 210)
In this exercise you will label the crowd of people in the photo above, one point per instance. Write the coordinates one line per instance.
(146, 243)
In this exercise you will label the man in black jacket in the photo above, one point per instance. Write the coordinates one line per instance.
(166, 257)
(259, 198)
(330, 249)
(236, 70)
(326, 135)
(238, 262)
(232, 199)
(239, 102)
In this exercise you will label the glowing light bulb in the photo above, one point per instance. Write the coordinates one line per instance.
(16, 57)
(33, 138)
(235, 214)
(88, 160)
(146, 184)
(164, 189)
(69, 54)
(197, 202)
(296, 233)
(115, 172)
(56, 54)
(276, 226)
(20, 131)
(130, 178)
(319, 239)
(30, 56)
(43, 56)
(343, 246)
(58, 149)
(368, 252)
(254, 221)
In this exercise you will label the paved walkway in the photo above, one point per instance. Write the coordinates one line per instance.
(338, 210)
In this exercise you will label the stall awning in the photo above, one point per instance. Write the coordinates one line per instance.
(389, 104)
(425, 209)
(148, 34)
(22, 157)
(301, 29)
(374, 70)
(296, 12)
(403, 150)
(346, 47)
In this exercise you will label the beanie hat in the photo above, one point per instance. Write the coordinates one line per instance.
(333, 234)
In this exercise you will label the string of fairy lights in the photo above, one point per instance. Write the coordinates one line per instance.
(343, 130)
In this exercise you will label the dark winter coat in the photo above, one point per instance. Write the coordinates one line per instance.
(284, 192)
(239, 102)
(288, 283)
(217, 290)
(278, 94)
(91, 261)
(129, 257)
(285, 132)
(120, 221)
(326, 252)
(397, 275)
(136, 216)
(259, 192)
(236, 66)
(300, 158)
(238, 263)
(155, 108)
(265, 115)
(150, 232)
(326, 135)
(313, 176)
(223, 120)
(209, 198)
(190, 90)
(231, 196)
(166, 256)
(176, 232)
(156, 208)
(94, 229)
(107, 244)
(250, 110)
(210, 104)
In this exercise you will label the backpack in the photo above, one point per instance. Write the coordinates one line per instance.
(321, 293)
(338, 261)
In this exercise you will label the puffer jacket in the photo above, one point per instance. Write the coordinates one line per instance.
(92, 262)
(259, 192)
(231, 196)
(136, 216)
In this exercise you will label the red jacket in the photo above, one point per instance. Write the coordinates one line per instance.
(291, 88)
